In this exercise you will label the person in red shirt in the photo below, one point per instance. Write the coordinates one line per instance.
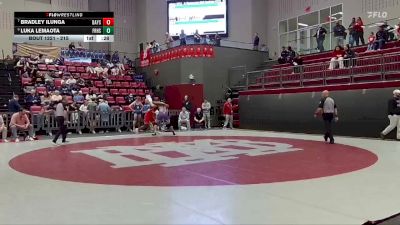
(149, 121)
(358, 28)
(228, 113)
(337, 58)
(371, 41)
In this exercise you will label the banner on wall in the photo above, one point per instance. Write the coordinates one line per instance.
(29, 49)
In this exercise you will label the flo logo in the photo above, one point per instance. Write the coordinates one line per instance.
(377, 14)
(192, 161)
(171, 154)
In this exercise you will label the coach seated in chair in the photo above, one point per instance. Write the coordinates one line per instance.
(199, 119)
(184, 119)
(20, 122)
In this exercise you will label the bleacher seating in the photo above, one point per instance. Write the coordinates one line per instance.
(371, 66)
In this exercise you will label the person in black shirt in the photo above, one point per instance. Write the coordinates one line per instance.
(339, 32)
(198, 118)
(320, 36)
(381, 38)
(217, 39)
(349, 56)
(187, 104)
(13, 105)
(197, 37)
(71, 46)
(284, 56)
(256, 41)
(393, 115)
(291, 55)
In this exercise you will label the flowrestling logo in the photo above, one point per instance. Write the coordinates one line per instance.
(192, 161)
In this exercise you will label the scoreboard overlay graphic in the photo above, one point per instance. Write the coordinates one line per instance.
(63, 27)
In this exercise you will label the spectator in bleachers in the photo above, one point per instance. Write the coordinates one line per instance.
(45, 98)
(65, 90)
(13, 105)
(115, 57)
(320, 36)
(20, 122)
(51, 87)
(297, 63)
(349, 56)
(184, 119)
(339, 32)
(337, 58)
(284, 56)
(168, 40)
(217, 39)
(206, 40)
(155, 46)
(256, 41)
(80, 82)
(397, 31)
(381, 38)
(389, 30)
(393, 115)
(71, 81)
(21, 65)
(130, 98)
(206, 107)
(352, 32)
(88, 83)
(78, 98)
(71, 46)
(56, 97)
(48, 78)
(137, 108)
(199, 118)
(91, 96)
(228, 113)
(292, 54)
(182, 38)
(359, 29)
(104, 111)
(3, 129)
(197, 37)
(98, 69)
(32, 99)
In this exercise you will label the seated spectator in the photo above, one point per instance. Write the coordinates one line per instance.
(199, 118)
(71, 81)
(65, 90)
(78, 98)
(80, 82)
(371, 42)
(91, 95)
(20, 122)
(292, 54)
(99, 69)
(45, 98)
(3, 130)
(48, 78)
(56, 97)
(32, 99)
(71, 46)
(284, 56)
(337, 58)
(51, 87)
(90, 69)
(389, 30)
(155, 46)
(184, 119)
(381, 38)
(297, 63)
(349, 56)
(13, 105)
(398, 31)
(88, 83)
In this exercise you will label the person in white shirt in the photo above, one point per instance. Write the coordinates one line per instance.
(184, 119)
(206, 106)
(71, 81)
(56, 97)
(3, 129)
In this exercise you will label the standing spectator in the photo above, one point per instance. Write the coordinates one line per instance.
(371, 42)
(381, 38)
(20, 122)
(327, 108)
(187, 104)
(92, 115)
(352, 32)
(359, 28)
(217, 39)
(349, 56)
(284, 56)
(337, 58)
(65, 90)
(206, 39)
(3, 130)
(339, 32)
(32, 99)
(393, 115)
(228, 113)
(320, 36)
(105, 110)
(206, 107)
(182, 37)
(45, 99)
(84, 107)
(184, 119)
(197, 37)
(60, 115)
(199, 118)
(256, 41)
(398, 31)
(168, 40)
(13, 105)
(136, 108)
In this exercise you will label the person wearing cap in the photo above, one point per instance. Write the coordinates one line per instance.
(393, 115)
(328, 110)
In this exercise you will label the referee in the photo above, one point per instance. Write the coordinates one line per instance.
(327, 108)
(60, 115)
